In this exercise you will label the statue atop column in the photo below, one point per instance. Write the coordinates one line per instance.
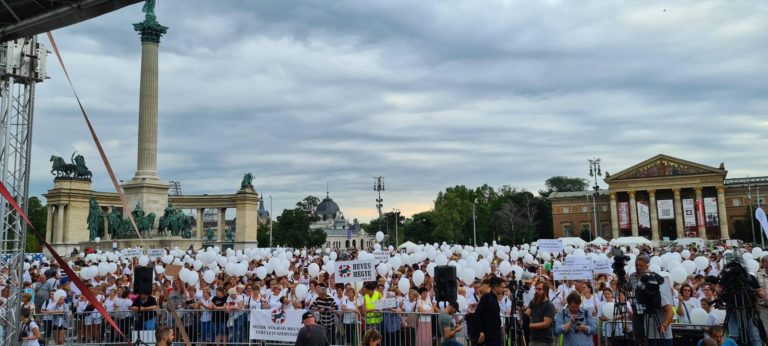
(149, 7)
(247, 181)
(150, 30)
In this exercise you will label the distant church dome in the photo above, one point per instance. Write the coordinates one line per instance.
(327, 209)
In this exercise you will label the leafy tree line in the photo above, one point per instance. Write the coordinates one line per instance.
(291, 228)
(508, 215)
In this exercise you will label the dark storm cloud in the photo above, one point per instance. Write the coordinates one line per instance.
(428, 94)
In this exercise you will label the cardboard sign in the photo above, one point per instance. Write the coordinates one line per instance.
(602, 266)
(381, 256)
(156, 252)
(554, 246)
(386, 303)
(578, 262)
(571, 273)
(355, 271)
(172, 270)
(131, 253)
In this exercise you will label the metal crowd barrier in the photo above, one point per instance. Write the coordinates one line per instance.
(207, 327)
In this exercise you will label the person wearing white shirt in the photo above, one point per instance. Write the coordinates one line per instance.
(30, 331)
(686, 304)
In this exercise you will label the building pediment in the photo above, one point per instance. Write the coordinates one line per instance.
(665, 166)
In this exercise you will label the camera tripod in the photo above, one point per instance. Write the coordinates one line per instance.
(744, 323)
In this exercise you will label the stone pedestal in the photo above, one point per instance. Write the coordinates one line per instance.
(247, 223)
(69, 197)
(150, 194)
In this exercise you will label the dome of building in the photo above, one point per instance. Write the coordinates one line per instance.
(327, 209)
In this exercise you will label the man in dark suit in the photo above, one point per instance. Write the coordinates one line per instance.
(488, 314)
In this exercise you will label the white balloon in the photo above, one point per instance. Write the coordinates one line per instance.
(313, 269)
(698, 316)
(747, 257)
(59, 294)
(686, 254)
(654, 268)
(159, 269)
(528, 258)
(333, 256)
(196, 265)
(167, 259)
(757, 252)
(261, 272)
(209, 276)
(404, 285)
(103, 268)
(330, 267)
(143, 260)
(701, 262)
(518, 272)
(382, 269)
(753, 266)
(379, 236)
(505, 267)
(418, 277)
(678, 274)
(689, 266)
(301, 291)
(431, 268)
(467, 275)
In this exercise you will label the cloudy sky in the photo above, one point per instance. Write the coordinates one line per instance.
(428, 94)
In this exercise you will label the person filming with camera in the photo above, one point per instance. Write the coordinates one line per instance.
(652, 305)
(575, 324)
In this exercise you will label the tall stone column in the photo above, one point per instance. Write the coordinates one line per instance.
(633, 213)
(49, 224)
(614, 217)
(146, 189)
(678, 213)
(59, 231)
(200, 223)
(722, 214)
(222, 222)
(654, 215)
(701, 227)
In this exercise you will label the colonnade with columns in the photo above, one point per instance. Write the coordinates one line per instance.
(677, 191)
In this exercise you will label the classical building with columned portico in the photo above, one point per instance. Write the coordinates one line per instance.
(662, 198)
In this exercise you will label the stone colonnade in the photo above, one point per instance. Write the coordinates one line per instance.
(678, 212)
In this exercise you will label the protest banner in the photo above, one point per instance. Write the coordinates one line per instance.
(355, 271)
(385, 303)
(131, 253)
(602, 266)
(381, 256)
(156, 252)
(572, 273)
(275, 324)
(553, 246)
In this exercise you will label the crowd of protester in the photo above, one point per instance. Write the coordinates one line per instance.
(546, 311)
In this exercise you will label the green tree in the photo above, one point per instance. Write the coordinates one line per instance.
(262, 235)
(563, 184)
(38, 215)
(308, 205)
(291, 228)
(420, 227)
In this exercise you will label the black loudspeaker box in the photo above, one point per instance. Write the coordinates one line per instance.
(445, 284)
(142, 280)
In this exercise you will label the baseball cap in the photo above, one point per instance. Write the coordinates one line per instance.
(306, 315)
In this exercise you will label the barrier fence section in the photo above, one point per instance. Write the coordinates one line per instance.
(265, 327)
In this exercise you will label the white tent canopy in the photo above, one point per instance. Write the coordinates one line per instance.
(631, 241)
(599, 241)
(406, 245)
(573, 241)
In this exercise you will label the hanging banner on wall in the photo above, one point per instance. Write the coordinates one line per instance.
(699, 212)
(623, 215)
(710, 211)
(275, 324)
(643, 214)
(666, 209)
(689, 218)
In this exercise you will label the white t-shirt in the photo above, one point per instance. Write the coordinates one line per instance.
(689, 305)
(29, 332)
(346, 303)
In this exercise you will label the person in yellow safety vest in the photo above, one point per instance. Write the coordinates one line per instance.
(370, 296)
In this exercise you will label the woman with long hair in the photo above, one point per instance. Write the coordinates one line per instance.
(686, 304)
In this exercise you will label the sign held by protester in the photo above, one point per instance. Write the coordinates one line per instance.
(275, 324)
(386, 303)
(554, 246)
(355, 271)
(156, 252)
(131, 253)
(381, 256)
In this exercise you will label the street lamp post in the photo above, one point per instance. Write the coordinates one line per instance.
(594, 171)
(271, 218)
(397, 220)
(474, 223)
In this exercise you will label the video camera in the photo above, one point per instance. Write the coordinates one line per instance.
(648, 293)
